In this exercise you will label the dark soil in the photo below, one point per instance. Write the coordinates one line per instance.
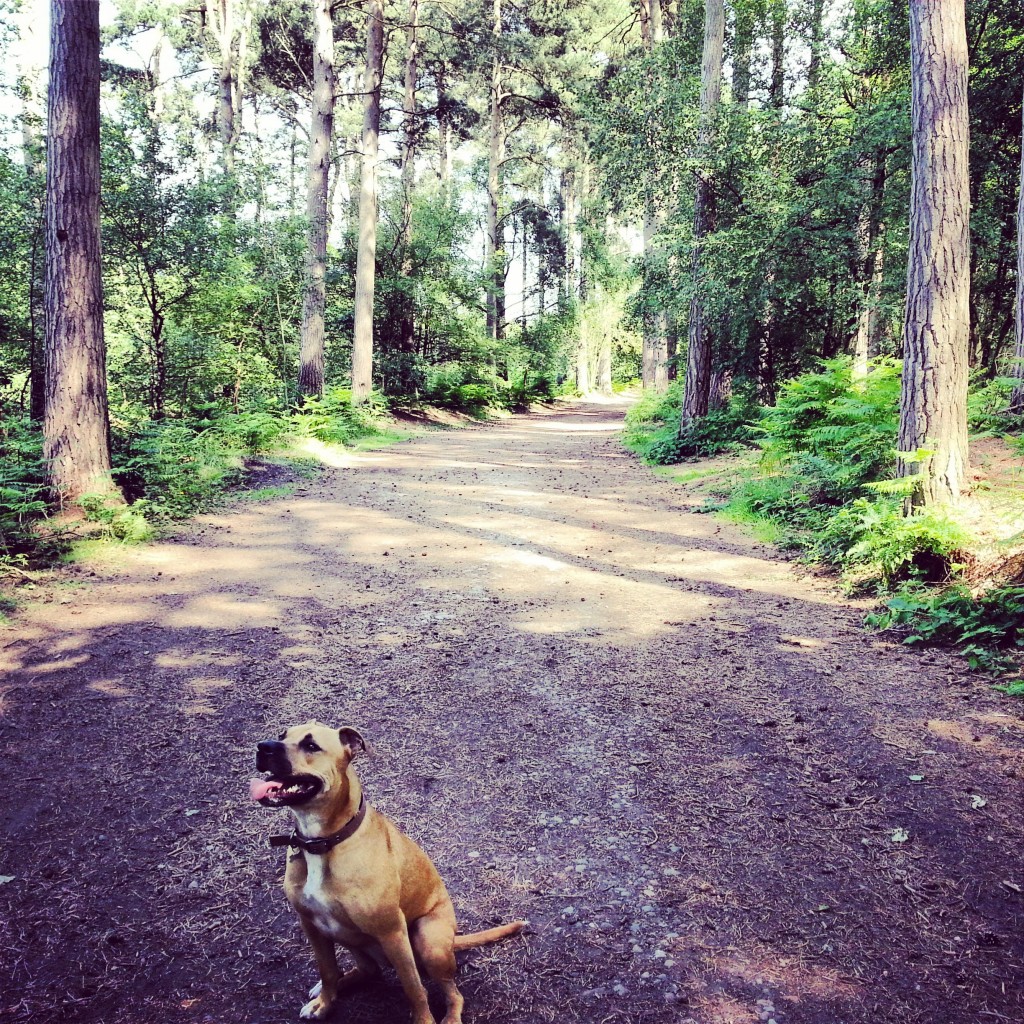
(715, 797)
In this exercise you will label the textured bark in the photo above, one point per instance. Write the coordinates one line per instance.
(654, 346)
(657, 23)
(720, 391)
(366, 254)
(869, 232)
(407, 328)
(1017, 399)
(814, 66)
(777, 86)
(314, 299)
(933, 409)
(33, 117)
(444, 130)
(604, 364)
(743, 44)
(76, 444)
(698, 356)
(231, 41)
(495, 253)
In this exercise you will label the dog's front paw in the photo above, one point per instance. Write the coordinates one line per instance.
(315, 990)
(315, 1009)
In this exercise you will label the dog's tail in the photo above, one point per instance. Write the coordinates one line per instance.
(503, 931)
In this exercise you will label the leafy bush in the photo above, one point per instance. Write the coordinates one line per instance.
(652, 428)
(122, 522)
(254, 432)
(987, 629)
(334, 419)
(838, 431)
(459, 387)
(21, 489)
(828, 453)
(987, 404)
(177, 468)
(874, 536)
(524, 391)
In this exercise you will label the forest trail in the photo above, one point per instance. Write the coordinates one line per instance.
(673, 751)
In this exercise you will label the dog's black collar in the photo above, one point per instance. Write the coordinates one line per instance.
(323, 844)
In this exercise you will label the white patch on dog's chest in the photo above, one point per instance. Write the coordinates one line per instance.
(318, 905)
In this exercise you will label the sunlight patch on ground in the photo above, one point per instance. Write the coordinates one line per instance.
(110, 687)
(517, 556)
(203, 685)
(570, 427)
(792, 980)
(219, 611)
(178, 659)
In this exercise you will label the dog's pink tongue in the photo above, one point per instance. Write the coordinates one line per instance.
(259, 788)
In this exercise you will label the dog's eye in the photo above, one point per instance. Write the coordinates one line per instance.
(308, 746)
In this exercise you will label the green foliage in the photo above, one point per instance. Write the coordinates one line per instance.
(22, 495)
(125, 523)
(987, 404)
(988, 629)
(839, 432)
(652, 428)
(873, 534)
(335, 420)
(170, 470)
(459, 387)
(828, 453)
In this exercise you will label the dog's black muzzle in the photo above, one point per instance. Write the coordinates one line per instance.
(271, 756)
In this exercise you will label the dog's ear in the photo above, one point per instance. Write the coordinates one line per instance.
(352, 739)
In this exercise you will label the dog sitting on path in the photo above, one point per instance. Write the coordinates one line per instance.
(356, 880)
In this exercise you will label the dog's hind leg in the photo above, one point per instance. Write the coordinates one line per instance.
(398, 949)
(433, 939)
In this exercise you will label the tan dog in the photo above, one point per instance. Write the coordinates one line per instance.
(358, 881)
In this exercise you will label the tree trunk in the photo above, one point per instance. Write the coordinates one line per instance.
(743, 44)
(495, 255)
(777, 87)
(933, 407)
(33, 118)
(76, 441)
(814, 66)
(222, 28)
(720, 391)
(1017, 398)
(644, 7)
(366, 254)
(604, 363)
(444, 132)
(657, 24)
(869, 265)
(314, 300)
(654, 350)
(698, 356)
(407, 328)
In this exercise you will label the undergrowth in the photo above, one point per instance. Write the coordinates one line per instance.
(988, 629)
(652, 428)
(825, 485)
(172, 468)
(828, 458)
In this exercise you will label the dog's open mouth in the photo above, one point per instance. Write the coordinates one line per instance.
(285, 792)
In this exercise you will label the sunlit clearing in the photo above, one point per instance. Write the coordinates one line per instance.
(603, 427)
(110, 687)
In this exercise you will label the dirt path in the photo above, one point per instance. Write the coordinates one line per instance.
(677, 755)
